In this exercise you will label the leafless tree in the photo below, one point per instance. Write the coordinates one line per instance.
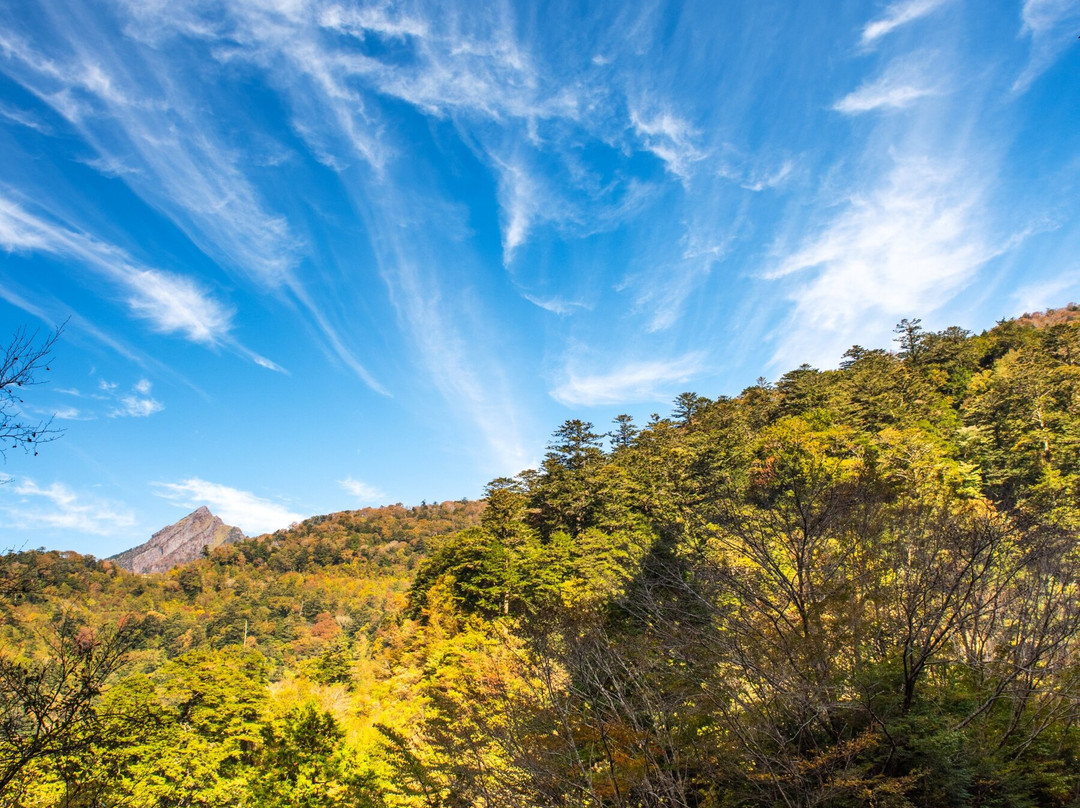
(21, 365)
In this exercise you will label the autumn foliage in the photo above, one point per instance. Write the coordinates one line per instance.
(848, 587)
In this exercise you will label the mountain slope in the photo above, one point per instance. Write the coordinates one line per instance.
(179, 543)
(848, 587)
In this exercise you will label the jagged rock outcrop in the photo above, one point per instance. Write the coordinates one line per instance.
(180, 543)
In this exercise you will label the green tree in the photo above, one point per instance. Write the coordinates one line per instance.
(305, 764)
(624, 433)
(49, 708)
(207, 708)
(574, 445)
(687, 406)
(803, 390)
(912, 339)
(563, 498)
(334, 665)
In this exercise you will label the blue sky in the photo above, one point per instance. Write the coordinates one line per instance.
(319, 254)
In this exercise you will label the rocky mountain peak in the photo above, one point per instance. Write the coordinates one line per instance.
(179, 543)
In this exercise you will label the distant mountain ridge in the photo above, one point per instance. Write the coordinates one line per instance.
(179, 543)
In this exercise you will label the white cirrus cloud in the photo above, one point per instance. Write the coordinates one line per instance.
(522, 203)
(557, 305)
(363, 492)
(758, 180)
(150, 127)
(131, 118)
(902, 84)
(881, 95)
(1047, 293)
(1051, 25)
(263, 362)
(137, 407)
(906, 246)
(170, 303)
(251, 513)
(23, 118)
(669, 137)
(26, 505)
(473, 384)
(373, 19)
(632, 382)
(896, 15)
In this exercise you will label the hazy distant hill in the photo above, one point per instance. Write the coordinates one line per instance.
(179, 543)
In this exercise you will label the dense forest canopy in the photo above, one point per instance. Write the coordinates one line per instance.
(848, 587)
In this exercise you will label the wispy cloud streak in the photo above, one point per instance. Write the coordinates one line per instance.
(906, 246)
(896, 15)
(1051, 26)
(27, 505)
(670, 138)
(473, 383)
(149, 130)
(902, 84)
(170, 303)
(362, 492)
(136, 122)
(629, 383)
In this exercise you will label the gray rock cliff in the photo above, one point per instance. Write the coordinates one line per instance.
(180, 543)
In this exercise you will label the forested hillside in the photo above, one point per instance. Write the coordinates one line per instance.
(848, 587)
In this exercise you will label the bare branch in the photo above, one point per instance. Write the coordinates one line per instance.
(21, 365)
